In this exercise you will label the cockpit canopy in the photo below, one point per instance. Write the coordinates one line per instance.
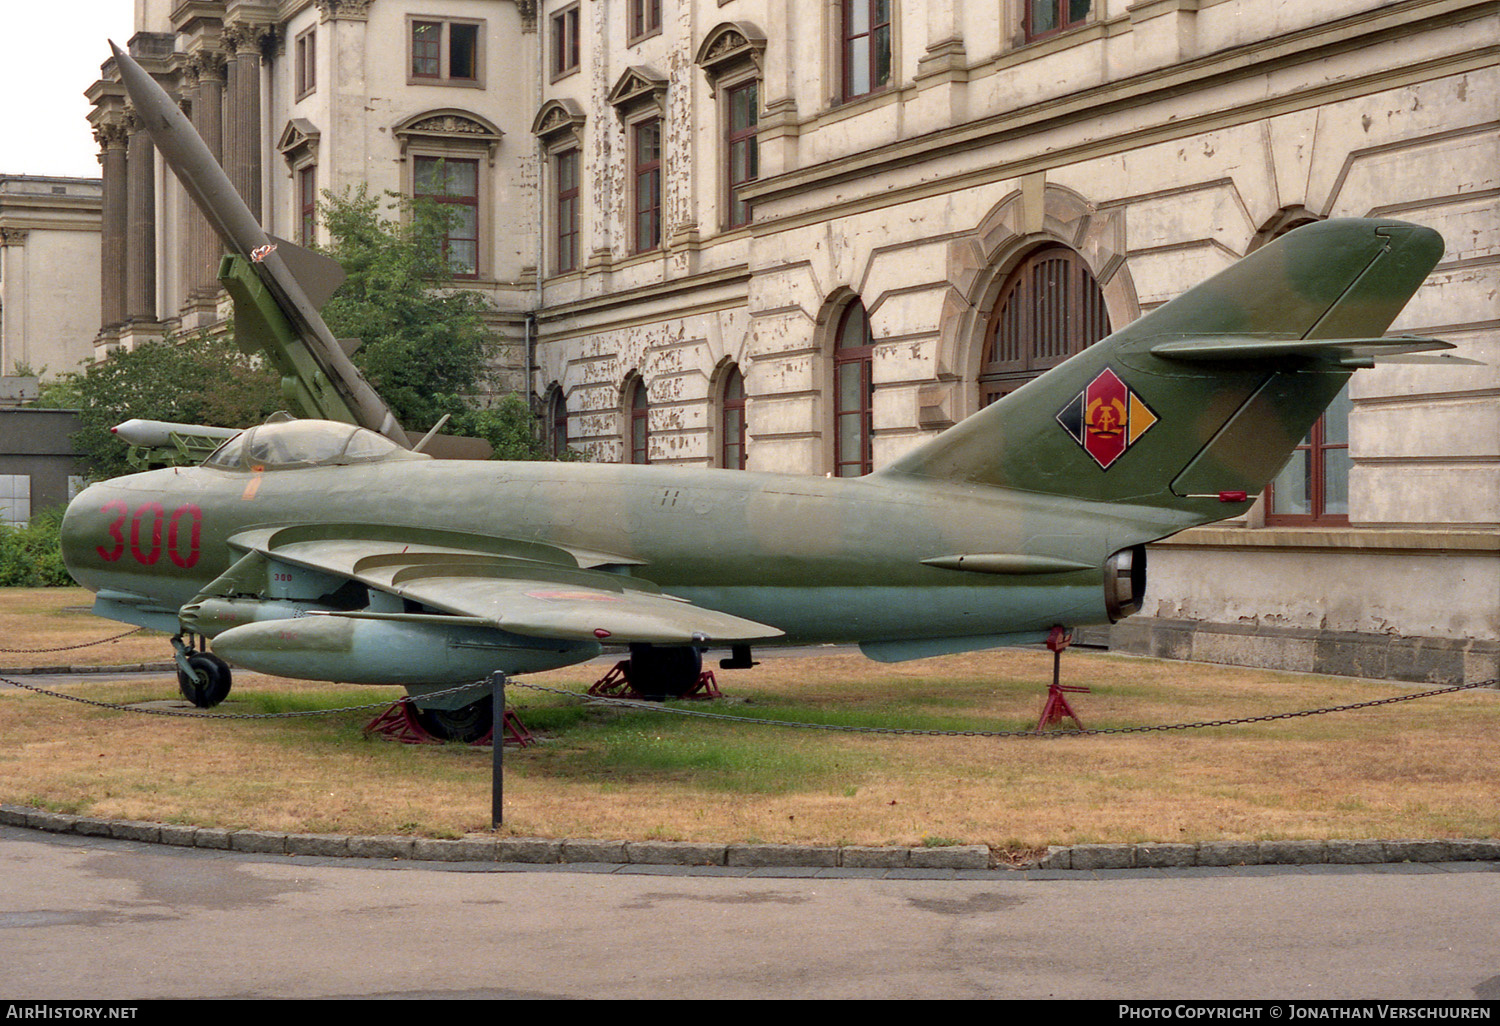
(290, 444)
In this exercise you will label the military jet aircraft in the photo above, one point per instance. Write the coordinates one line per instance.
(329, 550)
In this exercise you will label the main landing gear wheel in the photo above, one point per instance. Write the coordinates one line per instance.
(658, 673)
(465, 725)
(209, 683)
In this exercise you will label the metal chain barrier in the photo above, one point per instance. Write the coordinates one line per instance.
(69, 648)
(659, 708)
(916, 731)
(184, 714)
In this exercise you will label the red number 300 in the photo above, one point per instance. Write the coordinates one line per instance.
(146, 543)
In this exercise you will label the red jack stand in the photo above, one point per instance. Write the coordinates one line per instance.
(399, 723)
(616, 684)
(1057, 708)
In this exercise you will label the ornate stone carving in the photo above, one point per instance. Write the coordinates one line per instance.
(636, 88)
(527, 9)
(13, 236)
(112, 133)
(347, 10)
(450, 125)
(729, 47)
(557, 116)
(298, 144)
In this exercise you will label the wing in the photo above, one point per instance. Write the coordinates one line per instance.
(525, 588)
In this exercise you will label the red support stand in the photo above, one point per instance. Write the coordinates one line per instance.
(399, 723)
(1057, 708)
(616, 684)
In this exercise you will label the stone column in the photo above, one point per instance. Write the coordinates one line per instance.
(140, 238)
(241, 157)
(112, 137)
(208, 119)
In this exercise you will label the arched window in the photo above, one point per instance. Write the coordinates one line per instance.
(1048, 309)
(732, 421)
(557, 423)
(638, 420)
(853, 394)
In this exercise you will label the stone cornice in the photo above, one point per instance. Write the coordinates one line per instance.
(1251, 60)
(1337, 539)
(638, 87)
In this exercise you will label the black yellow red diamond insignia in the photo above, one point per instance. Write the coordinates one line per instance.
(1106, 418)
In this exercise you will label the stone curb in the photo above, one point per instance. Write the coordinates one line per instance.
(541, 850)
(75, 671)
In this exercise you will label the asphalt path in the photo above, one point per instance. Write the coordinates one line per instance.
(85, 918)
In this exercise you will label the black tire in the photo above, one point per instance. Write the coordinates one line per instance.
(465, 725)
(213, 684)
(661, 672)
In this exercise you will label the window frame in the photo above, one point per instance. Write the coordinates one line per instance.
(847, 43)
(861, 357)
(637, 421)
(557, 423)
(1066, 21)
(650, 170)
(305, 61)
(567, 231)
(463, 200)
(642, 20)
(738, 213)
(307, 204)
(565, 50)
(444, 53)
(732, 421)
(1079, 311)
(1313, 451)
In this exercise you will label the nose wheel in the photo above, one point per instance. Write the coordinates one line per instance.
(202, 677)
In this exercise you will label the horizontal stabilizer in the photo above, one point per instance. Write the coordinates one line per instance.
(1342, 351)
(319, 276)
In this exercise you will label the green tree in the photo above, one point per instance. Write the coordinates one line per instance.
(202, 379)
(424, 342)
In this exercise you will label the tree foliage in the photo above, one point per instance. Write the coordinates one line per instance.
(31, 556)
(424, 342)
(202, 379)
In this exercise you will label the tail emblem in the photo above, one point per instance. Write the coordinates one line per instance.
(1106, 418)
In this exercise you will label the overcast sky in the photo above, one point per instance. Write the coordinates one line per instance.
(49, 54)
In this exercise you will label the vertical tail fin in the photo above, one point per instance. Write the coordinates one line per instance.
(1208, 394)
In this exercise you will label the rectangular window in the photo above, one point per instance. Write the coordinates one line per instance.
(567, 210)
(645, 19)
(307, 196)
(740, 147)
(15, 499)
(445, 52)
(565, 42)
(1047, 17)
(454, 184)
(1313, 488)
(866, 34)
(647, 175)
(306, 60)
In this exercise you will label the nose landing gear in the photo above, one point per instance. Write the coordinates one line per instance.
(203, 678)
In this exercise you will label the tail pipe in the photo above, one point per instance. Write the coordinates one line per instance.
(1125, 582)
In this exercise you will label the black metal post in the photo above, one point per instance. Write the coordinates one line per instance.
(497, 738)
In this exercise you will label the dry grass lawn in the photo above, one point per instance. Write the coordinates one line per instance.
(1416, 769)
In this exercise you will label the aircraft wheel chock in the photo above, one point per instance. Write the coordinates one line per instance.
(212, 683)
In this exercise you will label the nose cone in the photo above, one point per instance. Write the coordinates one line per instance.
(83, 527)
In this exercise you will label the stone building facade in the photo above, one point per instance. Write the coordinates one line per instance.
(49, 258)
(804, 237)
